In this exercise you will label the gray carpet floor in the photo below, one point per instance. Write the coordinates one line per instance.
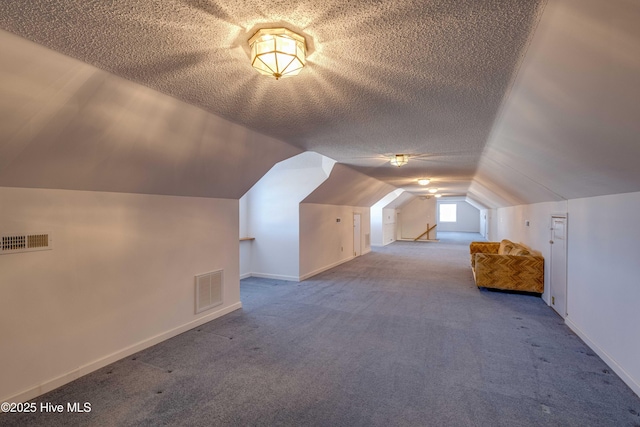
(398, 337)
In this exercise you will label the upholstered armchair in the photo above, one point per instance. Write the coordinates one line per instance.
(507, 265)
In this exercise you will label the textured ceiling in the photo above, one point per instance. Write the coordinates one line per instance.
(408, 76)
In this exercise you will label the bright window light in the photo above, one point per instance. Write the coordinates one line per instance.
(448, 212)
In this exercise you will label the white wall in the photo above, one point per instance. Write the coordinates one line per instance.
(273, 215)
(377, 238)
(389, 216)
(603, 279)
(245, 245)
(414, 217)
(484, 222)
(243, 216)
(245, 258)
(295, 240)
(326, 243)
(492, 226)
(468, 217)
(376, 214)
(120, 278)
(383, 220)
(602, 276)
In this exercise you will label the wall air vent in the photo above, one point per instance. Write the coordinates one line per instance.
(11, 243)
(208, 290)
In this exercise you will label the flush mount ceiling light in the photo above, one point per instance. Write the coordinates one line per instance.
(433, 190)
(437, 196)
(277, 52)
(399, 159)
(424, 181)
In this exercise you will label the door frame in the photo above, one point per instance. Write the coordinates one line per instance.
(359, 237)
(565, 309)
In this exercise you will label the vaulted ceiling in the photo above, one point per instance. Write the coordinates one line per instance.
(506, 101)
(570, 126)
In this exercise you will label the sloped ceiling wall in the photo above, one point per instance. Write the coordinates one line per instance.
(418, 77)
(570, 127)
(401, 200)
(394, 200)
(68, 125)
(347, 187)
(475, 203)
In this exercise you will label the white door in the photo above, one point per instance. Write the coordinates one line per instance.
(558, 264)
(486, 227)
(356, 235)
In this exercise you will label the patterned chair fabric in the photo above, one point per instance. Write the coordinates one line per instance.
(483, 248)
(506, 265)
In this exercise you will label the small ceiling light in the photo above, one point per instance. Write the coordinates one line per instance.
(277, 52)
(437, 196)
(423, 181)
(399, 159)
(433, 190)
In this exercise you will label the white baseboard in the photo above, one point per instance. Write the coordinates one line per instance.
(300, 278)
(275, 276)
(628, 379)
(325, 268)
(545, 298)
(63, 379)
(378, 245)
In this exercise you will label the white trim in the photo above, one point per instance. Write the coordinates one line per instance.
(377, 245)
(624, 375)
(113, 357)
(546, 299)
(245, 276)
(276, 276)
(328, 267)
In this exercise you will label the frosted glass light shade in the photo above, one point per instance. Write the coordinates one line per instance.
(433, 190)
(399, 160)
(423, 181)
(277, 52)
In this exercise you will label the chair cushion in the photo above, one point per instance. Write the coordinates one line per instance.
(505, 247)
(519, 250)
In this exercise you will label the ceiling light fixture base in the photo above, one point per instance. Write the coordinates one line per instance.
(278, 52)
(399, 159)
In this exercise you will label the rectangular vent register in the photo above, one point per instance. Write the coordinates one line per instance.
(208, 290)
(11, 243)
